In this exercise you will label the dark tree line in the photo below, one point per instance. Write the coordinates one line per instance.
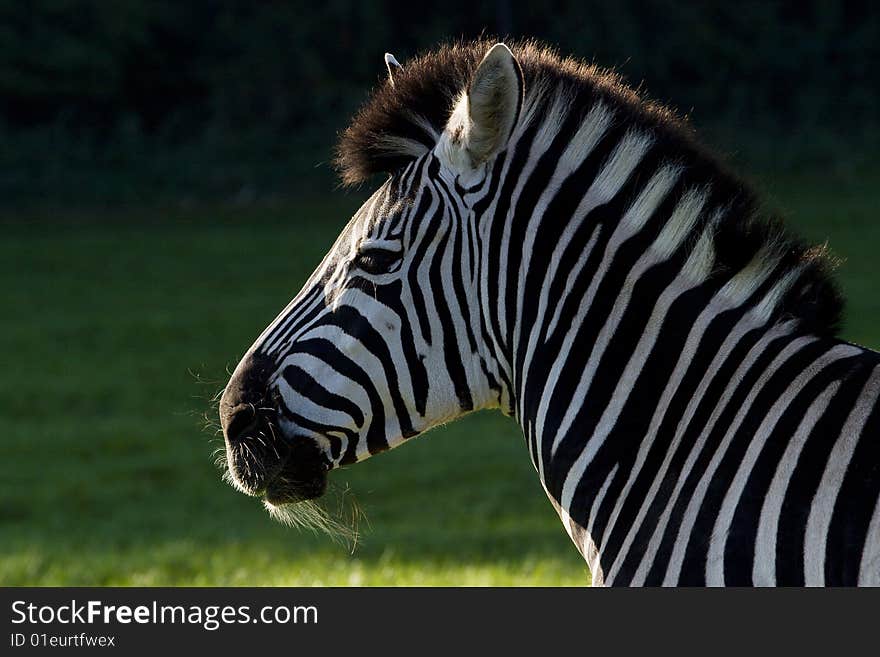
(91, 80)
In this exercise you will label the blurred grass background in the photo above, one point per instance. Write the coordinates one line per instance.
(165, 189)
(118, 332)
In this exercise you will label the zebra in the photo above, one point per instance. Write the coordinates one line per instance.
(553, 244)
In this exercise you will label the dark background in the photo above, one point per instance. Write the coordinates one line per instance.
(142, 101)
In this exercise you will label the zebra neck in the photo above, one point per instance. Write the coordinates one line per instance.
(622, 286)
(612, 373)
(603, 249)
(613, 318)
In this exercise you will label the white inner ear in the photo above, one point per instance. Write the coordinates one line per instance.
(486, 114)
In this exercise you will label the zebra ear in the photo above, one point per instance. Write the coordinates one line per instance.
(495, 99)
(391, 63)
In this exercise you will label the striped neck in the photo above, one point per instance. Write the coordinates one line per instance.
(611, 273)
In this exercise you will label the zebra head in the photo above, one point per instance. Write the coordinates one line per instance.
(385, 339)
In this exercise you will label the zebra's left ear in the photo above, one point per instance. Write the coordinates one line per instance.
(391, 64)
(486, 115)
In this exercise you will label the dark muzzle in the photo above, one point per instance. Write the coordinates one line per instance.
(262, 460)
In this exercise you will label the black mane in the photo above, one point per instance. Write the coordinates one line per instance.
(402, 118)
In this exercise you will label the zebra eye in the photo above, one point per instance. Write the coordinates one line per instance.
(376, 261)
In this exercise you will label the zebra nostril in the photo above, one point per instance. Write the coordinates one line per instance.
(240, 422)
(243, 398)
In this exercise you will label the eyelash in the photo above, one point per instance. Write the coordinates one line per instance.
(376, 261)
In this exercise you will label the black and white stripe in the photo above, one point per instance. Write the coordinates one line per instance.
(670, 353)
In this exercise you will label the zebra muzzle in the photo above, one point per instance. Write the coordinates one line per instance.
(265, 463)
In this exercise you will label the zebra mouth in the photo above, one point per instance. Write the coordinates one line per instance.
(280, 469)
(302, 476)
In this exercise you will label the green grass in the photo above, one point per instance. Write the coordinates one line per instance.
(118, 327)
